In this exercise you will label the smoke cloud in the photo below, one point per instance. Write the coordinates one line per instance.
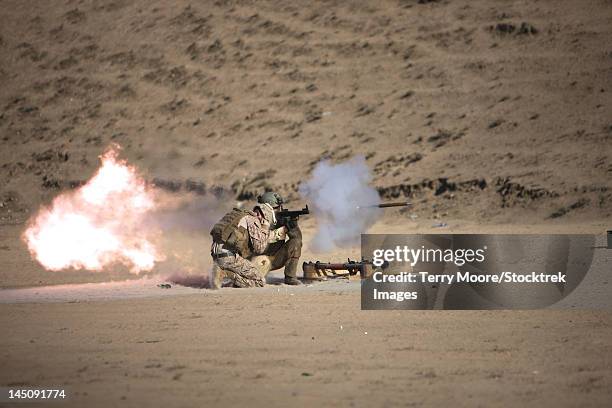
(185, 222)
(335, 193)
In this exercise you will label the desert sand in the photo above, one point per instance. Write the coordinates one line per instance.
(307, 349)
(489, 116)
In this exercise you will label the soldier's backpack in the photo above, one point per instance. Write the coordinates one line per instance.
(233, 237)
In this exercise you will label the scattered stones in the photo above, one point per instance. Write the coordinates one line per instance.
(443, 137)
(496, 123)
(201, 162)
(510, 28)
(126, 91)
(515, 193)
(395, 163)
(50, 182)
(216, 46)
(176, 77)
(175, 186)
(31, 52)
(364, 110)
(27, 109)
(336, 155)
(168, 185)
(564, 210)
(74, 16)
(197, 187)
(49, 155)
(175, 105)
(12, 209)
(526, 29)
(313, 116)
(250, 188)
(438, 187)
(505, 28)
(67, 63)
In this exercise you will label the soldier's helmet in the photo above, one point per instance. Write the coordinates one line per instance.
(271, 198)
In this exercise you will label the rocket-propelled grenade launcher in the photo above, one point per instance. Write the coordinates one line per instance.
(321, 270)
(289, 218)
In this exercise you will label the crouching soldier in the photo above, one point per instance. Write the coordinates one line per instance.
(284, 252)
(246, 245)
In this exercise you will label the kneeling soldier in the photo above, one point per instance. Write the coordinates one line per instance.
(242, 235)
(283, 253)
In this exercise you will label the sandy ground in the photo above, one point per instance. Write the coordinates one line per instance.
(132, 343)
(305, 348)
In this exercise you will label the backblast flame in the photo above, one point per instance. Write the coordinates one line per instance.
(99, 224)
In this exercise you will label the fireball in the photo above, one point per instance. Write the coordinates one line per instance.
(99, 224)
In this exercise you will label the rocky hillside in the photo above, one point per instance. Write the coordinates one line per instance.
(482, 110)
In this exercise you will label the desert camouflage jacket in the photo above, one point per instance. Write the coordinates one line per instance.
(260, 233)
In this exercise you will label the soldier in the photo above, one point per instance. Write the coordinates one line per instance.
(242, 235)
(282, 253)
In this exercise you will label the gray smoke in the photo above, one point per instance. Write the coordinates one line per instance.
(334, 192)
(185, 221)
(189, 213)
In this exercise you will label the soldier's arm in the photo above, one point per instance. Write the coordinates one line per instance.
(278, 234)
(258, 234)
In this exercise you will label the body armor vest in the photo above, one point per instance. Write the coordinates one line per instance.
(233, 237)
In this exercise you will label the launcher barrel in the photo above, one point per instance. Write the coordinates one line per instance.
(315, 270)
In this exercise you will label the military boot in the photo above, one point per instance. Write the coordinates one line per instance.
(291, 272)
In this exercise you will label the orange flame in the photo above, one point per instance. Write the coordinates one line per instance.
(99, 224)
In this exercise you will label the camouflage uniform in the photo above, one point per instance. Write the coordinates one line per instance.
(286, 253)
(240, 272)
(235, 265)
